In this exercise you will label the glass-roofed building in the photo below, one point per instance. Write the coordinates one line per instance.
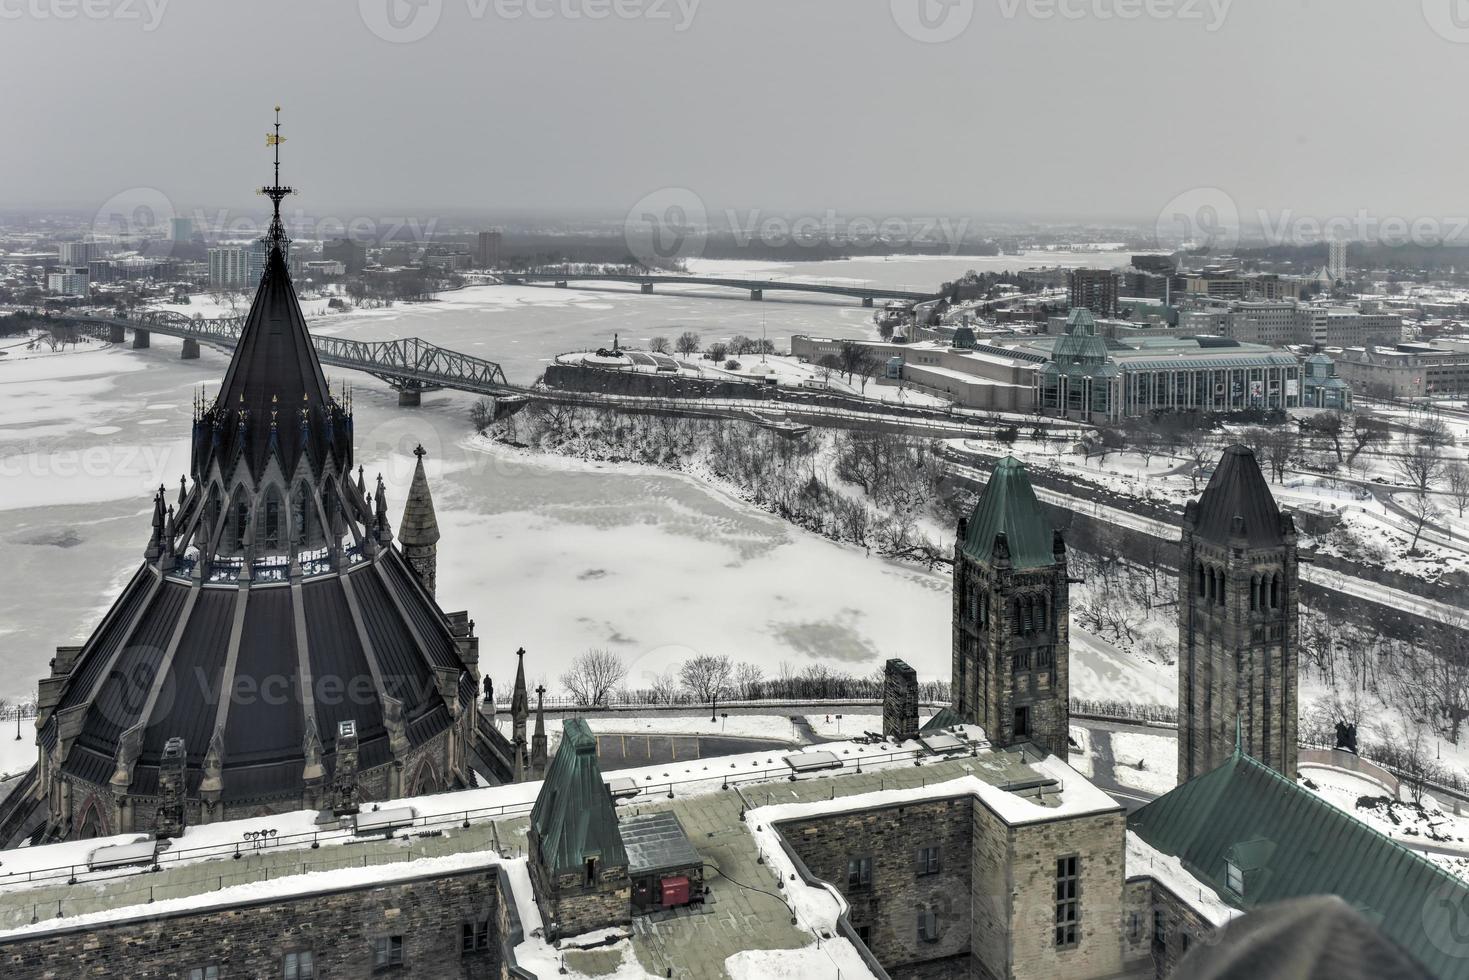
(1095, 378)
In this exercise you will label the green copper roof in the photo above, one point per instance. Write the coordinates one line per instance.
(1290, 842)
(1008, 505)
(946, 718)
(574, 817)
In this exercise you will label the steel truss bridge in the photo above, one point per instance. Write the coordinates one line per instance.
(409, 364)
(756, 287)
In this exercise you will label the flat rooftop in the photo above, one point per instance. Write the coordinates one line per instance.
(50, 888)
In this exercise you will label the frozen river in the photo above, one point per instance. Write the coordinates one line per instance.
(547, 554)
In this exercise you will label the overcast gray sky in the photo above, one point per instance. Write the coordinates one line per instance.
(1318, 105)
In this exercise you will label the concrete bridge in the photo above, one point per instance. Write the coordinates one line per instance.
(756, 287)
(409, 365)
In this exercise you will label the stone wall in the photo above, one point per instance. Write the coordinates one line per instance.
(1099, 842)
(1183, 928)
(886, 912)
(250, 940)
(569, 907)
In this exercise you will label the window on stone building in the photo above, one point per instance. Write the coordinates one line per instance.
(928, 927)
(1022, 660)
(859, 873)
(1160, 928)
(204, 973)
(1022, 722)
(299, 966)
(1068, 900)
(475, 937)
(926, 860)
(387, 952)
(864, 933)
(1134, 926)
(1043, 658)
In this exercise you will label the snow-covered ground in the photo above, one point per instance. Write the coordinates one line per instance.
(1146, 762)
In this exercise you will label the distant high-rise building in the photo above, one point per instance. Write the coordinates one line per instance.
(101, 270)
(255, 257)
(68, 282)
(352, 255)
(1336, 260)
(181, 229)
(1095, 290)
(77, 254)
(487, 249)
(228, 267)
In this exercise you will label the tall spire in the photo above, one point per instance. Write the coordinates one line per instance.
(418, 532)
(277, 234)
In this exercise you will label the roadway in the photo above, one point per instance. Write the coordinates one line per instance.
(756, 287)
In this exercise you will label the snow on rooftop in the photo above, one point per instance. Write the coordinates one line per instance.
(1145, 860)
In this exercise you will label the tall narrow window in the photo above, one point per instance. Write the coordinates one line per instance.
(928, 927)
(859, 873)
(272, 522)
(387, 952)
(926, 861)
(1068, 900)
(1022, 722)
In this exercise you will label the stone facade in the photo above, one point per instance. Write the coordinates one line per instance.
(1239, 612)
(992, 897)
(1011, 648)
(1173, 928)
(889, 893)
(570, 905)
(899, 701)
(337, 928)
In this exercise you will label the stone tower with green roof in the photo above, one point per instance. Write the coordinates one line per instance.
(1238, 629)
(1011, 617)
(578, 864)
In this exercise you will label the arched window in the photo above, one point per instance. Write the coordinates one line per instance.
(1220, 586)
(1040, 613)
(242, 522)
(1027, 612)
(1202, 586)
(1275, 592)
(302, 514)
(272, 520)
(1254, 593)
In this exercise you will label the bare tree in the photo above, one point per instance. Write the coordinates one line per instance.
(1277, 446)
(482, 415)
(593, 676)
(1366, 429)
(665, 686)
(658, 345)
(1459, 486)
(1331, 426)
(1198, 449)
(748, 679)
(687, 343)
(707, 676)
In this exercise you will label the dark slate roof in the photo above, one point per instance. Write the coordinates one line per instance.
(574, 816)
(656, 842)
(1317, 938)
(264, 732)
(420, 526)
(1238, 488)
(1305, 846)
(1009, 506)
(273, 376)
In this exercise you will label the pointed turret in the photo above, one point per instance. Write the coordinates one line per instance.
(380, 513)
(519, 714)
(418, 532)
(538, 740)
(1238, 503)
